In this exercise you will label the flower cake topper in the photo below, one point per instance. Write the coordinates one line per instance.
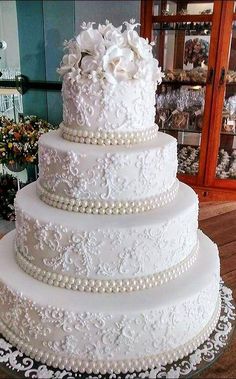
(111, 54)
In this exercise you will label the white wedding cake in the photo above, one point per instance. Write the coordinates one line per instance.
(107, 271)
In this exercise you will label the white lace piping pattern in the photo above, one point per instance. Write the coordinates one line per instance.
(107, 207)
(110, 285)
(121, 366)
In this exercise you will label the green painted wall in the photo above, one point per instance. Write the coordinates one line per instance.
(32, 53)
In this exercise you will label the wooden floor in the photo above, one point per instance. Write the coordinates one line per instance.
(218, 221)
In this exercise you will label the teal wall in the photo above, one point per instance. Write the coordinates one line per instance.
(43, 26)
(32, 54)
(58, 26)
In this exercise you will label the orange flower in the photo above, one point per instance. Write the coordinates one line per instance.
(29, 158)
(17, 136)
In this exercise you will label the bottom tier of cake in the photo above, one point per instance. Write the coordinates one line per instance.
(109, 332)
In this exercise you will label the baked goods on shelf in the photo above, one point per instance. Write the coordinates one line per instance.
(196, 75)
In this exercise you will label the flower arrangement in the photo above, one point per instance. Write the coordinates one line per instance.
(19, 141)
(8, 189)
(108, 53)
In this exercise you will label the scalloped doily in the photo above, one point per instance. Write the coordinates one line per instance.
(13, 361)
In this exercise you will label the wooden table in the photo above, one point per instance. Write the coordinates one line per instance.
(218, 221)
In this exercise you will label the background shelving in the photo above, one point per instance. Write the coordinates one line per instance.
(195, 43)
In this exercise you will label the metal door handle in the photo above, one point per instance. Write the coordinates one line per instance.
(210, 76)
(222, 76)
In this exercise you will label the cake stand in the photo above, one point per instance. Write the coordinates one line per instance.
(14, 364)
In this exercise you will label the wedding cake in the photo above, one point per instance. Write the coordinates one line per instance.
(107, 271)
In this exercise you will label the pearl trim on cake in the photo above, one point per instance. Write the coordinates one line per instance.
(106, 207)
(109, 285)
(117, 367)
(107, 138)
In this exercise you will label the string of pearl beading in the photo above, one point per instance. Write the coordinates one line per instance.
(107, 138)
(108, 285)
(107, 207)
(76, 364)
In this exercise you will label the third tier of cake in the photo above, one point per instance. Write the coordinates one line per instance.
(106, 253)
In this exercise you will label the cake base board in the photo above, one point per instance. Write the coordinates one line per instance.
(15, 364)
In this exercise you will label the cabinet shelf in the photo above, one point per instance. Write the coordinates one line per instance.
(182, 18)
(183, 83)
(180, 130)
(191, 131)
(228, 133)
(191, 31)
(190, 83)
(231, 83)
(181, 57)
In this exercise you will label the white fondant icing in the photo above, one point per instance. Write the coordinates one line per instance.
(117, 168)
(107, 173)
(117, 367)
(101, 247)
(125, 107)
(104, 285)
(103, 207)
(109, 332)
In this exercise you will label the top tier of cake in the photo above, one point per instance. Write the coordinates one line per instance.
(109, 83)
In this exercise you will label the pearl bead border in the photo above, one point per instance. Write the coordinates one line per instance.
(102, 207)
(110, 285)
(107, 138)
(117, 367)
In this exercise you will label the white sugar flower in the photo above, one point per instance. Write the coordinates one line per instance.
(91, 41)
(88, 25)
(94, 76)
(89, 64)
(111, 35)
(73, 47)
(131, 24)
(150, 71)
(118, 64)
(139, 45)
(69, 61)
(144, 71)
(114, 38)
(74, 75)
(108, 27)
(157, 73)
(108, 53)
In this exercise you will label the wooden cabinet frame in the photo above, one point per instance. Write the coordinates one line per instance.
(205, 183)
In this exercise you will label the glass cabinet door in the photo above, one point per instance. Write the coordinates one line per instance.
(226, 164)
(182, 7)
(182, 31)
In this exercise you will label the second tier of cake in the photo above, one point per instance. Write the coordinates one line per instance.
(107, 179)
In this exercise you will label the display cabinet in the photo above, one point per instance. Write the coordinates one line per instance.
(195, 44)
